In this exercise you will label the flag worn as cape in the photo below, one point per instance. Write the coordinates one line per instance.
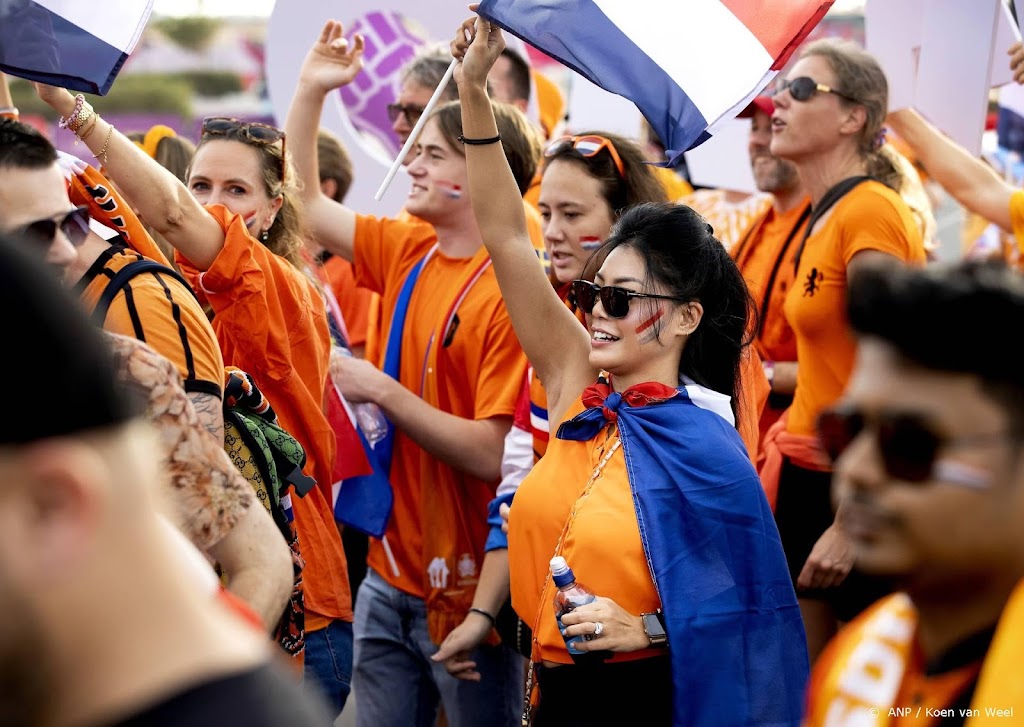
(686, 65)
(737, 644)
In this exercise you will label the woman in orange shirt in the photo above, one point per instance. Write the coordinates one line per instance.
(237, 232)
(647, 489)
(828, 121)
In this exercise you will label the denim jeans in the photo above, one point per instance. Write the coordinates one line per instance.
(328, 663)
(396, 683)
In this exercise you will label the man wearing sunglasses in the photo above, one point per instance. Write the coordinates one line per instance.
(929, 483)
(158, 309)
(764, 254)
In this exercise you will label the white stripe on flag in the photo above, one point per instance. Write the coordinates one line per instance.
(116, 22)
(541, 425)
(706, 50)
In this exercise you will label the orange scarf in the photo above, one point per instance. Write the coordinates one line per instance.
(778, 444)
(871, 657)
(453, 530)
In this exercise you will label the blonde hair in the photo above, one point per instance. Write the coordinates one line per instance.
(914, 195)
(859, 75)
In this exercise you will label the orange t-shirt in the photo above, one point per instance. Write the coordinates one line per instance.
(485, 367)
(271, 322)
(355, 302)
(602, 541)
(870, 217)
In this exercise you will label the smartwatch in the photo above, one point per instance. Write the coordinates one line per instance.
(654, 627)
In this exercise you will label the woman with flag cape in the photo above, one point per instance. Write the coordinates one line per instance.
(646, 489)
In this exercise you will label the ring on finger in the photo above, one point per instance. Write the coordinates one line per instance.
(598, 628)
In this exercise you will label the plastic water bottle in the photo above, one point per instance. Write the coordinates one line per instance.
(371, 420)
(571, 595)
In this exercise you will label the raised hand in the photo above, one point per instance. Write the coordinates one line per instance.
(59, 99)
(333, 62)
(477, 45)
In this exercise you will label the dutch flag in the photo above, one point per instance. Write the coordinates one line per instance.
(686, 64)
(76, 44)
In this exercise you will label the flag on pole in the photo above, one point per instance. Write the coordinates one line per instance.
(686, 65)
(79, 45)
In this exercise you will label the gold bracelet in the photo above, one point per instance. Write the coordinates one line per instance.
(76, 122)
(92, 127)
(102, 156)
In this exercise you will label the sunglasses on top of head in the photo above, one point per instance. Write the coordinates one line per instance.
(614, 300)
(74, 225)
(589, 145)
(251, 131)
(908, 446)
(804, 89)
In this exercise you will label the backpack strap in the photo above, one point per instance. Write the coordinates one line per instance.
(826, 203)
(121, 278)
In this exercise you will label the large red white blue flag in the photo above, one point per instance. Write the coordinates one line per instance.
(72, 43)
(686, 64)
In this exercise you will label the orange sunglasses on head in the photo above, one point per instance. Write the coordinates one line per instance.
(588, 146)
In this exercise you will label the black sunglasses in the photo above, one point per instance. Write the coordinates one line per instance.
(908, 446)
(74, 225)
(412, 113)
(614, 300)
(252, 131)
(804, 89)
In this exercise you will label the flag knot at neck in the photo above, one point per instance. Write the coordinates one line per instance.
(603, 406)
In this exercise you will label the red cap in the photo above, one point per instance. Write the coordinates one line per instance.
(760, 103)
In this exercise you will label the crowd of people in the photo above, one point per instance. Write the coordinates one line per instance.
(747, 428)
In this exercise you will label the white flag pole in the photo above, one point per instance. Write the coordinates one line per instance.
(416, 130)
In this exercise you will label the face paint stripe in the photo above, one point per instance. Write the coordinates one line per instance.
(650, 321)
(450, 189)
(590, 243)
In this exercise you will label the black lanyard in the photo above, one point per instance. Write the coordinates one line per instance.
(763, 312)
(832, 196)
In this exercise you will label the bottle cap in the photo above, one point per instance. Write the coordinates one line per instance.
(561, 573)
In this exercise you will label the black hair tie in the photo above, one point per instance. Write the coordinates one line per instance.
(480, 142)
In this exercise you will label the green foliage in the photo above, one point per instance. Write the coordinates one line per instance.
(193, 32)
(141, 92)
(213, 83)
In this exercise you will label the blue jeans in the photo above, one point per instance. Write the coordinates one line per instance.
(396, 683)
(328, 663)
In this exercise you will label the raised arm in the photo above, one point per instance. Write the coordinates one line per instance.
(161, 200)
(969, 180)
(554, 341)
(331, 63)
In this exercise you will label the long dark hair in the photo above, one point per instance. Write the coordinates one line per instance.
(682, 256)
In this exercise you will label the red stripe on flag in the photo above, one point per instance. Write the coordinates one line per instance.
(350, 458)
(780, 25)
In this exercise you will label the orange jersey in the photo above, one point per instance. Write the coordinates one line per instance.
(157, 309)
(272, 323)
(765, 255)
(483, 369)
(602, 541)
(873, 666)
(870, 217)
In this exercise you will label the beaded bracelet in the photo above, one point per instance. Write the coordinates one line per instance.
(9, 111)
(65, 123)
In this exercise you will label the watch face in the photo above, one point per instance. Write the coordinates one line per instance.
(653, 627)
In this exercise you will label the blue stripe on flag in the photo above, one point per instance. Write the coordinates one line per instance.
(42, 46)
(579, 35)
